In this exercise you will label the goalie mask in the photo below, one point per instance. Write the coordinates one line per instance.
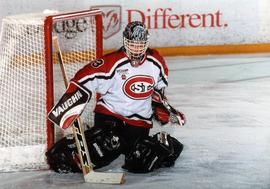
(136, 40)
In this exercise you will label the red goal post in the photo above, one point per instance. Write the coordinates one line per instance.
(48, 34)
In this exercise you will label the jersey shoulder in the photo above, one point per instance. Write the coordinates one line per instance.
(154, 53)
(154, 56)
(107, 62)
(101, 66)
(113, 58)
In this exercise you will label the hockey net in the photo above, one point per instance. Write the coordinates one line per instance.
(31, 80)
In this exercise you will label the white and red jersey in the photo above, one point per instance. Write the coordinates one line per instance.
(126, 91)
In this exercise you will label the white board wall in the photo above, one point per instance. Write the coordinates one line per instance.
(172, 23)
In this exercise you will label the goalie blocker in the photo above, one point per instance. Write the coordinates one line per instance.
(70, 106)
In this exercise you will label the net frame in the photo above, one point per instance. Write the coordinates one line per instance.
(45, 57)
(48, 28)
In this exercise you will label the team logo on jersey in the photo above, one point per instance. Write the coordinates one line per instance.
(97, 63)
(139, 87)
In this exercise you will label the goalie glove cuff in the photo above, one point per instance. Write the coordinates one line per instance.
(178, 118)
(164, 112)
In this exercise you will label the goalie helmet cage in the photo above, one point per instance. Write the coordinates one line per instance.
(31, 80)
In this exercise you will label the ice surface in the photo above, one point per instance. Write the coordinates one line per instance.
(12, 158)
(227, 137)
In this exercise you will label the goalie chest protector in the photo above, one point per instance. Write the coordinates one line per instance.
(125, 90)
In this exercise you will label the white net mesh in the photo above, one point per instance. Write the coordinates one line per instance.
(23, 83)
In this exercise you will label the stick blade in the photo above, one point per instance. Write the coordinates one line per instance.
(105, 178)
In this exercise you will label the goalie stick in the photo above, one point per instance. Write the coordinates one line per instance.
(89, 174)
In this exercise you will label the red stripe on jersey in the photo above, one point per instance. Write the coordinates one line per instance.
(137, 123)
(155, 53)
(99, 66)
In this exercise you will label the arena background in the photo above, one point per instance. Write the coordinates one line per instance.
(224, 97)
(177, 27)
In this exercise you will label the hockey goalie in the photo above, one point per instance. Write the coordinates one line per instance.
(131, 81)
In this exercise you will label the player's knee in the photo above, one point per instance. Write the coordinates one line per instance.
(152, 152)
(104, 146)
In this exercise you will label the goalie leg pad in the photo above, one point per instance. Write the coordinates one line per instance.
(176, 149)
(62, 157)
(104, 146)
(151, 152)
